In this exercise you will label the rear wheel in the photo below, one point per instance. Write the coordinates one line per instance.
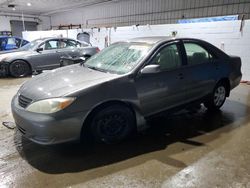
(217, 99)
(19, 69)
(112, 124)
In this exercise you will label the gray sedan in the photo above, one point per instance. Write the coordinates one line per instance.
(112, 93)
(42, 54)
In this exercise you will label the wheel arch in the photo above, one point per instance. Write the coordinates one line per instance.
(137, 116)
(11, 64)
(31, 68)
(227, 84)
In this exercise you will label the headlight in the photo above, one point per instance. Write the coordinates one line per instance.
(48, 106)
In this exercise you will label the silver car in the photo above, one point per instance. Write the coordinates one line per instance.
(113, 92)
(42, 54)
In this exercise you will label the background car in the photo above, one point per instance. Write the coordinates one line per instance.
(11, 43)
(42, 54)
(111, 94)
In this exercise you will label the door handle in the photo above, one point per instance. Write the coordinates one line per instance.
(180, 76)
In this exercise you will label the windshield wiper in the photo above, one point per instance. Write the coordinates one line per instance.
(95, 68)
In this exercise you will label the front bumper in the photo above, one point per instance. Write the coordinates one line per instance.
(47, 129)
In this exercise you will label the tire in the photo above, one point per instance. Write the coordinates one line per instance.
(217, 98)
(19, 69)
(112, 124)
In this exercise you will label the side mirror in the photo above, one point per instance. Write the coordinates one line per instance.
(150, 69)
(39, 49)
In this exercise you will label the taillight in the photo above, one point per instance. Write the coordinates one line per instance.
(97, 50)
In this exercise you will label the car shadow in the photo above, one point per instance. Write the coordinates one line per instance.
(182, 128)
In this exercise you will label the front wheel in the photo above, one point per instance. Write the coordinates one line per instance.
(218, 97)
(112, 124)
(19, 69)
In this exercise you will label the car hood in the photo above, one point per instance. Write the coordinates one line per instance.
(13, 54)
(63, 81)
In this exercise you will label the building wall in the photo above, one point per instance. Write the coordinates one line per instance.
(43, 22)
(4, 24)
(132, 12)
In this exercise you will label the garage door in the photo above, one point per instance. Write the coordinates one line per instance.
(17, 27)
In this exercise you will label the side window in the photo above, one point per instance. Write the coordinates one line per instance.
(18, 42)
(196, 54)
(67, 43)
(168, 58)
(24, 42)
(11, 41)
(71, 43)
(51, 45)
(62, 44)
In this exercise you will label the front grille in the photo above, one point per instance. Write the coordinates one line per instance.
(24, 101)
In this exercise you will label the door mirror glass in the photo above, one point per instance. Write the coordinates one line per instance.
(39, 49)
(150, 69)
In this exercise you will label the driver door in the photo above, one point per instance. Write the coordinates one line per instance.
(165, 89)
(49, 57)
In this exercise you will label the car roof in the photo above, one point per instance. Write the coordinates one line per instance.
(8, 37)
(5, 37)
(159, 39)
(151, 40)
(51, 38)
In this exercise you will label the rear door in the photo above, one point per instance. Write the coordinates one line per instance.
(165, 89)
(68, 47)
(201, 70)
